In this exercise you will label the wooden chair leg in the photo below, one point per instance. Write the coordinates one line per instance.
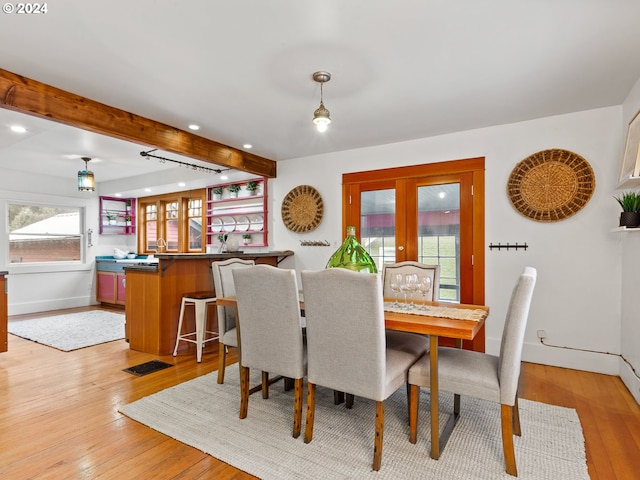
(288, 384)
(297, 407)
(348, 403)
(244, 391)
(311, 410)
(414, 399)
(265, 385)
(507, 439)
(516, 419)
(222, 361)
(377, 448)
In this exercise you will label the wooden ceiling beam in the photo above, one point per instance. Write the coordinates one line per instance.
(25, 95)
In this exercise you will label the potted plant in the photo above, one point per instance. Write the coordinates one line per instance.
(234, 188)
(251, 187)
(111, 218)
(127, 219)
(630, 203)
(217, 193)
(246, 238)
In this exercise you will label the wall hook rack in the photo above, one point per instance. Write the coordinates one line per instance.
(508, 246)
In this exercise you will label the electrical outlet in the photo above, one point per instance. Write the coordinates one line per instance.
(542, 334)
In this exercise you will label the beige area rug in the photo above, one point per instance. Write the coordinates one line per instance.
(203, 414)
(71, 331)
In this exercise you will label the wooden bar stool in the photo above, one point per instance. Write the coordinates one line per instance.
(200, 301)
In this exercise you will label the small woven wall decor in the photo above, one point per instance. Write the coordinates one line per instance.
(551, 185)
(302, 209)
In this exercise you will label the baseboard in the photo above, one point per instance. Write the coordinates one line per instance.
(537, 352)
(631, 381)
(47, 305)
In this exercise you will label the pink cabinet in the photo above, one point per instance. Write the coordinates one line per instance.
(111, 287)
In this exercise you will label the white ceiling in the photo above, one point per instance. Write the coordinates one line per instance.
(241, 69)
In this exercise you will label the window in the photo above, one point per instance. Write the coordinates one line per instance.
(177, 218)
(150, 227)
(194, 219)
(44, 234)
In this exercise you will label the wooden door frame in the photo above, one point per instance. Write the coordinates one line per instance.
(475, 166)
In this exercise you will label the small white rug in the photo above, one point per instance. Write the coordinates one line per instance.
(71, 331)
(203, 414)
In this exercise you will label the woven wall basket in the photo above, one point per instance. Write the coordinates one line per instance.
(551, 185)
(302, 209)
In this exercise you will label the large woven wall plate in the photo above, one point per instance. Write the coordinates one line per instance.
(551, 185)
(302, 209)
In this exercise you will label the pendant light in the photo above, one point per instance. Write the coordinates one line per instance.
(86, 181)
(321, 116)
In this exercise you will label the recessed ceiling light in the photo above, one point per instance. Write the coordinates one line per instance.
(193, 126)
(224, 177)
(247, 146)
(182, 184)
(442, 194)
(18, 129)
(118, 195)
(147, 189)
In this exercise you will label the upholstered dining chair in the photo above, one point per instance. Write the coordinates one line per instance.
(270, 331)
(421, 269)
(346, 345)
(480, 375)
(223, 284)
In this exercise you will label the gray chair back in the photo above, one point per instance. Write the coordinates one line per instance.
(513, 336)
(224, 287)
(421, 269)
(345, 331)
(269, 320)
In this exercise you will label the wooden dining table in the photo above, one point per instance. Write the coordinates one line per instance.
(441, 319)
(437, 322)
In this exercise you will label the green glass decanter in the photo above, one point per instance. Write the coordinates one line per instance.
(352, 255)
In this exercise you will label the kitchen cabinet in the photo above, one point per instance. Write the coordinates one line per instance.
(242, 213)
(111, 287)
(117, 216)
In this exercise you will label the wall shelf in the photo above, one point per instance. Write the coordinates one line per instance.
(244, 214)
(117, 216)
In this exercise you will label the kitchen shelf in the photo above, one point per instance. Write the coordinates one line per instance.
(244, 214)
(114, 212)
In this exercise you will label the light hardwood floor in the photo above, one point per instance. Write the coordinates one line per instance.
(59, 415)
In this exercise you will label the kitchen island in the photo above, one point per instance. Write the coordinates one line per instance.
(154, 293)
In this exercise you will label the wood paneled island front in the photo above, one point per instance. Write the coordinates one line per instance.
(154, 294)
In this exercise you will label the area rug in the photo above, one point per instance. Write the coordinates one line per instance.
(71, 331)
(203, 414)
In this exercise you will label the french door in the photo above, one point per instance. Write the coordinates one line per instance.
(432, 213)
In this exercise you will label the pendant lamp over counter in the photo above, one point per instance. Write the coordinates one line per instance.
(86, 181)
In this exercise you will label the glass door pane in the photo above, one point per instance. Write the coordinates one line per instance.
(378, 225)
(439, 234)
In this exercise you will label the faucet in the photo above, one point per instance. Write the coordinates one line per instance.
(161, 245)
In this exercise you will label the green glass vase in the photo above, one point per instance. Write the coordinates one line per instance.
(351, 255)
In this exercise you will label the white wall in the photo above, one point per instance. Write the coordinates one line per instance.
(55, 287)
(630, 324)
(578, 259)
